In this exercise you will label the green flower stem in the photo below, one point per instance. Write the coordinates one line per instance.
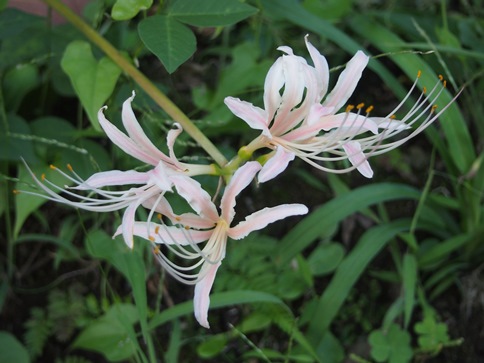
(159, 97)
(244, 154)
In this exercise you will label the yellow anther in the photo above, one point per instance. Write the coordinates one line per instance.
(424, 90)
(349, 108)
(434, 107)
(151, 238)
(369, 109)
(419, 73)
(70, 167)
(445, 83)
(156, 250)
(52, 167)
(15, 191)
(178, 219)
(157, 229)
(441, 77)
(393, 117)
(187, 228)
(42, 177)
(159, 216)
(360, 106)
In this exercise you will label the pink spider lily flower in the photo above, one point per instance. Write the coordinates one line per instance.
(300, 118)
(144, 185)
(206, 225)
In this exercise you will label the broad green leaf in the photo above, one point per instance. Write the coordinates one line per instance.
(212, 346)
(16, 143)
(93, 80)
(329, 9)
(348, 273)
(17, 82)
(409, 273)
(127, 9)
(110, 335)
(326, 258)
(25, 203)
(172, 42)
(210, 12)
(11, 350)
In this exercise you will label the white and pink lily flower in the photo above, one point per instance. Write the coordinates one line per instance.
(206, 225)
(300, 118)
(145, 185)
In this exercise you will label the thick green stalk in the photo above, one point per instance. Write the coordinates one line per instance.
(159, 97)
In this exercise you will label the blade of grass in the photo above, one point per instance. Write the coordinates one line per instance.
(327, 216)
(409, 276)
(217, 300)
(348, 272)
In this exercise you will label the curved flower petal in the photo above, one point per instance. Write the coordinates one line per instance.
(347, 81)
(321, 66)
(358, 158)
(390, 124)
(294, 85)
(170, 235)
(350, 122)
(272, 86)
(254, 116)
(170, 142)
(196, 196)
(128, 223)
(113, 177)
(262, 218)
(160, 177)
(276, 164)
(240, 180)
(124, 142)
(201, 300)
(136, 133)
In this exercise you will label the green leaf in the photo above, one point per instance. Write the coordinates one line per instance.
(17, 82)
(409, 273)
(392, 345)
(325, 258)
(127, 9)
(431, 334)
(93, 80)
(172, 42)
(15, 144)
(212, 346)
(211, 12)
(110, 335)
(441, 251)
(11, 350)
